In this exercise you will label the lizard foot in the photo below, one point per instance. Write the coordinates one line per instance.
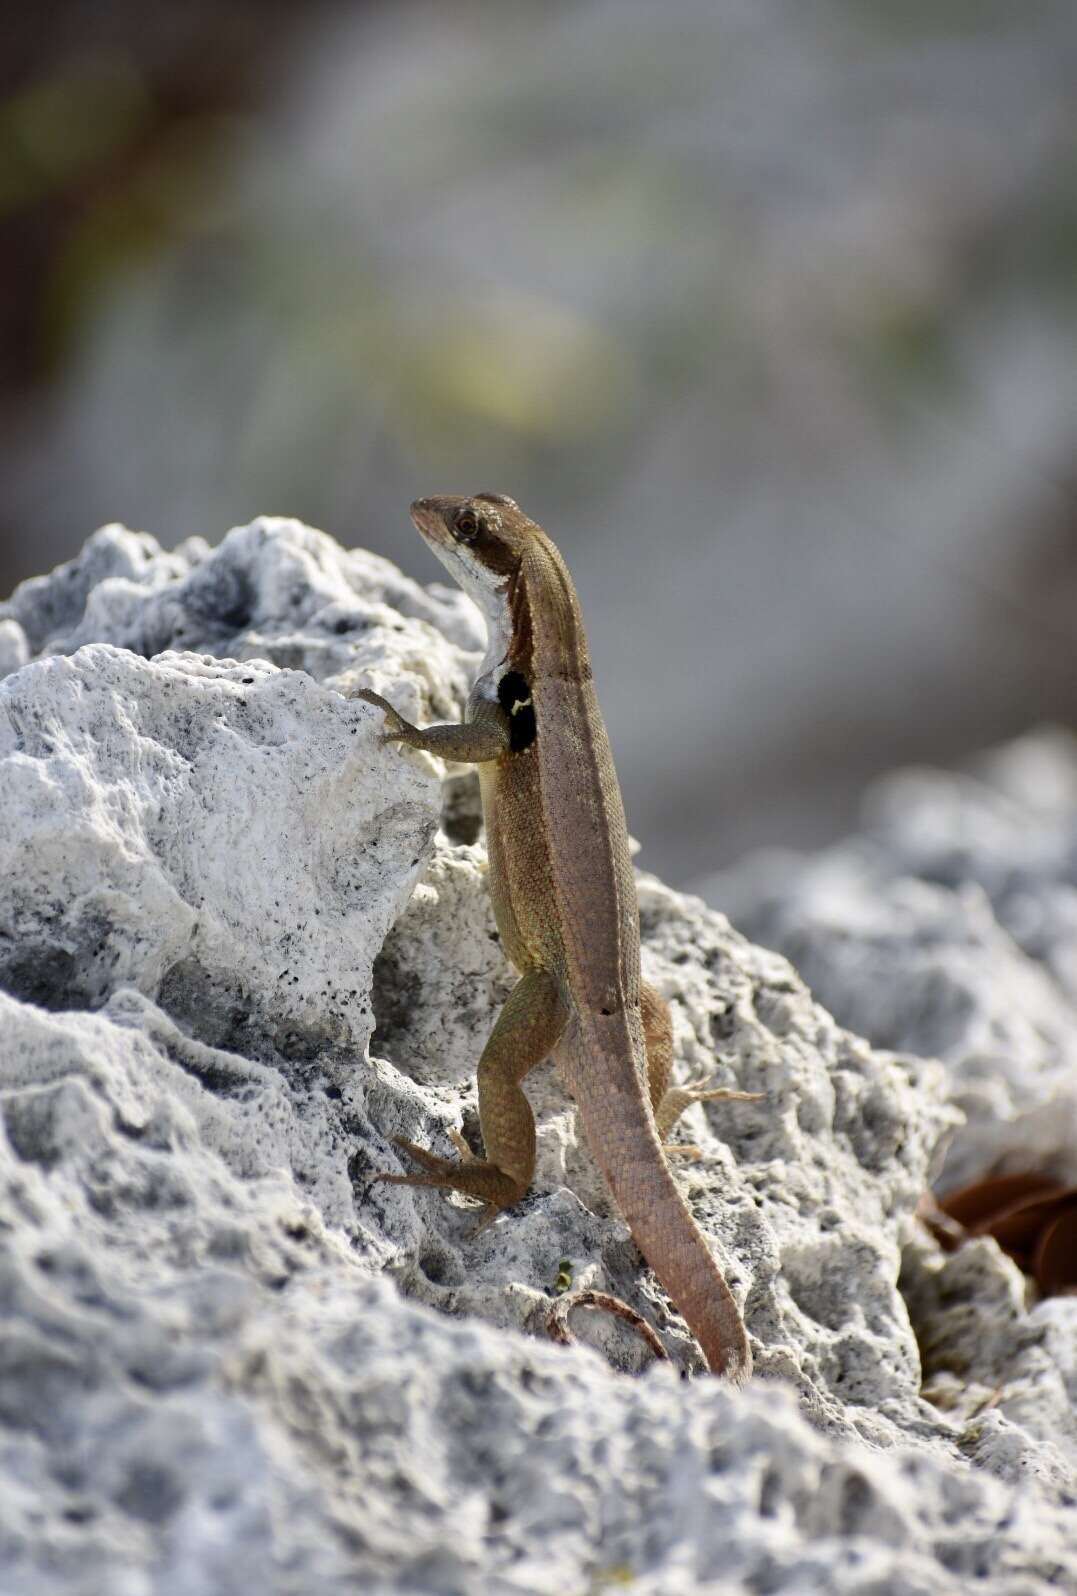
(396, 728)
(475, 1177)
(678, 1098)
(466, 1155)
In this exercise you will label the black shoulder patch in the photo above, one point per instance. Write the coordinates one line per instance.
(514, 696)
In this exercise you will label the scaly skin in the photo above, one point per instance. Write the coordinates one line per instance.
(564, 896)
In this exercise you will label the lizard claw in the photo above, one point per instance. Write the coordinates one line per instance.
(492, 1212)
(678, 1098)
(430, 1162)
(466, 1155)
(475, 1177)
(433, 1162)
(395, 724)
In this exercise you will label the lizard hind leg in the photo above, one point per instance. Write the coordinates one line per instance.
(668, 1102)
(527, 1029)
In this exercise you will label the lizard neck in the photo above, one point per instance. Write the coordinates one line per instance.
(548, 639)
(533, 623)
(496, 606)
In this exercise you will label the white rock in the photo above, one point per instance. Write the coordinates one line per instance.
(950, 929)
(14, 649)
(207, 1380)
(220, 836)
(807, 1192)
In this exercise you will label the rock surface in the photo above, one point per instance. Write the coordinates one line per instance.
(950, 928)
(230, 1363)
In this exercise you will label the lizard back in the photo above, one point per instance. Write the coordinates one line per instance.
(553, 810)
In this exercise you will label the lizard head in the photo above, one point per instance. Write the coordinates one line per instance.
(480, 539)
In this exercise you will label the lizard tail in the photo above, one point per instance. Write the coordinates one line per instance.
(621, 1135)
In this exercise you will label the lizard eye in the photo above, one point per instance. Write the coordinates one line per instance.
(466, 526)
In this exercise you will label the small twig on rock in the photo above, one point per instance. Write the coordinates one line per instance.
(557, 1318)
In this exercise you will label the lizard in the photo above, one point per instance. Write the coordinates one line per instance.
(564, 899)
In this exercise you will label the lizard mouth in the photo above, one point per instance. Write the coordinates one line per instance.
(431, 518)
(428, 516)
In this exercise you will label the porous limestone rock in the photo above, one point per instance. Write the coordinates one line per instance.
(949, 927)
(221, 1368)
(203, 832)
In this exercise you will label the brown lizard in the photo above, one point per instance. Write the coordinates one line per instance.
(564, 896)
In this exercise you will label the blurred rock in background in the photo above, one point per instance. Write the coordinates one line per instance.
(768, 310)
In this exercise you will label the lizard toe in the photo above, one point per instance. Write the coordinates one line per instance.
(433, 1163)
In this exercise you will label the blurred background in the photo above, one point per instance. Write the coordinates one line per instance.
(767, 309)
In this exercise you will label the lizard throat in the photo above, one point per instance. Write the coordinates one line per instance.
(497, 613)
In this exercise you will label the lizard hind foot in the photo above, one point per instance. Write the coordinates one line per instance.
(472, 1176)
(677, 1098)
(468, 1157)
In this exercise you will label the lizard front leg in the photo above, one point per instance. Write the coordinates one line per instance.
(527, 1029)
(486, 736)
(668, 1102)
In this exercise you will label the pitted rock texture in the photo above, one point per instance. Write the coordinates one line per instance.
(807, 1193)
(201, 831)
(949, 927)
(273, 590)
(221, 1367)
